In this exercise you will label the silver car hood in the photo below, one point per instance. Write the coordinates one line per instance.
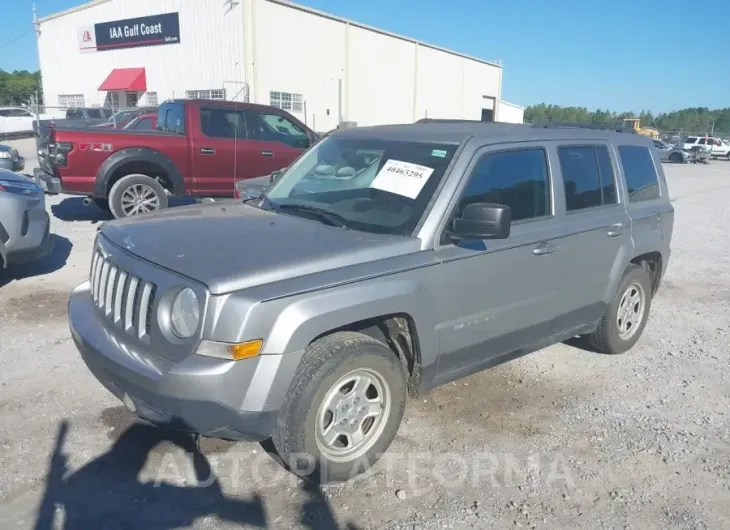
(231, 246)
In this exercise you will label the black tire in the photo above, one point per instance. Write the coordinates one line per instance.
(102, 204)
(728, 157)
(675, 158)
(127, 183)
(324, 363)
(607, 338)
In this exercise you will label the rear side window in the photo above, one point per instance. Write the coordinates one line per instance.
(690, 140)
(587, 177)
(642, 181)
(518, 179)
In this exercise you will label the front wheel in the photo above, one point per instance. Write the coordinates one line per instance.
(626, 316)
(343, 408)
(136, 194)
(675, 158)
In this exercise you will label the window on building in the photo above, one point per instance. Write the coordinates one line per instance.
(67, 101)
(152, 99)
(132, 99)
(219, 94)
(587, 181)
(286, 101)
(223, 123)
(518, 179)
(642, 181)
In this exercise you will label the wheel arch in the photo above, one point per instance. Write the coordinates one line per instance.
(137, 160)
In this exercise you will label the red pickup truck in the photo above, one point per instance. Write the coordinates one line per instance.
(199, 148)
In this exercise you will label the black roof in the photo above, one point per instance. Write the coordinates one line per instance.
(458, 131)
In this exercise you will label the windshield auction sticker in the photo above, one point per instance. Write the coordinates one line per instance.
(402, 178)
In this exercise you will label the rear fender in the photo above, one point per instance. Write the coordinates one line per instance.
(137, 154)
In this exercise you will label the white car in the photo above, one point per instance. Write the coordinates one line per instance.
(719, 147)
(18, 120)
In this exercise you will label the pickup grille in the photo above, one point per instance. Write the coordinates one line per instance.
(122, 298)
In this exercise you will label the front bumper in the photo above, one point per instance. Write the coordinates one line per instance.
(49, 183)
(35, 252)
(24, 228)
(210, 396)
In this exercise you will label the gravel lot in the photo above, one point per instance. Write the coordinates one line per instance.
(559, 439)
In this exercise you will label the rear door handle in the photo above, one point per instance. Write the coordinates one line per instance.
(615, 230)
(267, 153)
(207, 151)
(545, 248)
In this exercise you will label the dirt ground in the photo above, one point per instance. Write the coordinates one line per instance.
(559, 439)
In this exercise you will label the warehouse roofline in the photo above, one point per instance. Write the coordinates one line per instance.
(312, 11)
(70, 10)
(512, 104)
(317, 12)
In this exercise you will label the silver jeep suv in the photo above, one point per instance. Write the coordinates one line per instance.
(384, 261)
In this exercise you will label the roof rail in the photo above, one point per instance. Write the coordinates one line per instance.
(576, 125)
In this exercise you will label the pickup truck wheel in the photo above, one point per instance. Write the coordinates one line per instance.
(343, 408)
(675, 158)
(136, 194)
(626, 316)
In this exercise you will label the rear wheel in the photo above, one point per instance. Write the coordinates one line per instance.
(626, 316)
(675, 158)
(343, 409)
(135, 195)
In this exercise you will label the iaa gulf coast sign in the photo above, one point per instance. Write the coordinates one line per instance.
(153, 30)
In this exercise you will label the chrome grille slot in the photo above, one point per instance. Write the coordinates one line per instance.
(123, 299)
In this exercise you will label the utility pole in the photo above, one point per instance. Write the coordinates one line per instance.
(37, 27)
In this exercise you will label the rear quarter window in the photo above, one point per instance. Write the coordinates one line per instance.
(642, 181)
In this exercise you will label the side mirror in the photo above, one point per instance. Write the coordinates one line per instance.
(481, 220)
(275, 176)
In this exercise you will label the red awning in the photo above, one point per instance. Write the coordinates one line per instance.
(126, 79)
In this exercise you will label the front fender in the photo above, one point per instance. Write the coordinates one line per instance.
(137, 154)
(304, 319)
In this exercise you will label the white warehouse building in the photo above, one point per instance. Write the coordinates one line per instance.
(321, 68)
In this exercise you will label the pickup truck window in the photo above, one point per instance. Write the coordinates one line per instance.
(586, 182)
(171, 118)
(223, 123)
(274, 128)
(518, 179)
(373, 185)
(144, 124)
(642, 181)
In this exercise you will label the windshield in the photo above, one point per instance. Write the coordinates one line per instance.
(120, 115)
(379, 186)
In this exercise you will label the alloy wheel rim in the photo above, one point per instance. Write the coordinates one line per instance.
(353, 415)
(138, 199)
(630, 311)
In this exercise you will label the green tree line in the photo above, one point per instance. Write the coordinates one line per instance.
(689, 120)
(19, 86)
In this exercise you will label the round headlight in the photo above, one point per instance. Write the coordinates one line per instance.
(185, 314)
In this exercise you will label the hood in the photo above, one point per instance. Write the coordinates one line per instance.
(232, 246)
(6, 174)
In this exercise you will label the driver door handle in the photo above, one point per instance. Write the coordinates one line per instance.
(545, 248)
(207, 151)
(267, 153)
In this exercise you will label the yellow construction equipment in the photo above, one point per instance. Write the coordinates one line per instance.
(635, 124)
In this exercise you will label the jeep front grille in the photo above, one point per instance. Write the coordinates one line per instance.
(122, 298)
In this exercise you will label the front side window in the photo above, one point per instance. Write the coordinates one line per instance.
(275, 128)
(642, 181)
(370, 184)
(587, 177)
(223, 123)
(690, 140)
(518, 179)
